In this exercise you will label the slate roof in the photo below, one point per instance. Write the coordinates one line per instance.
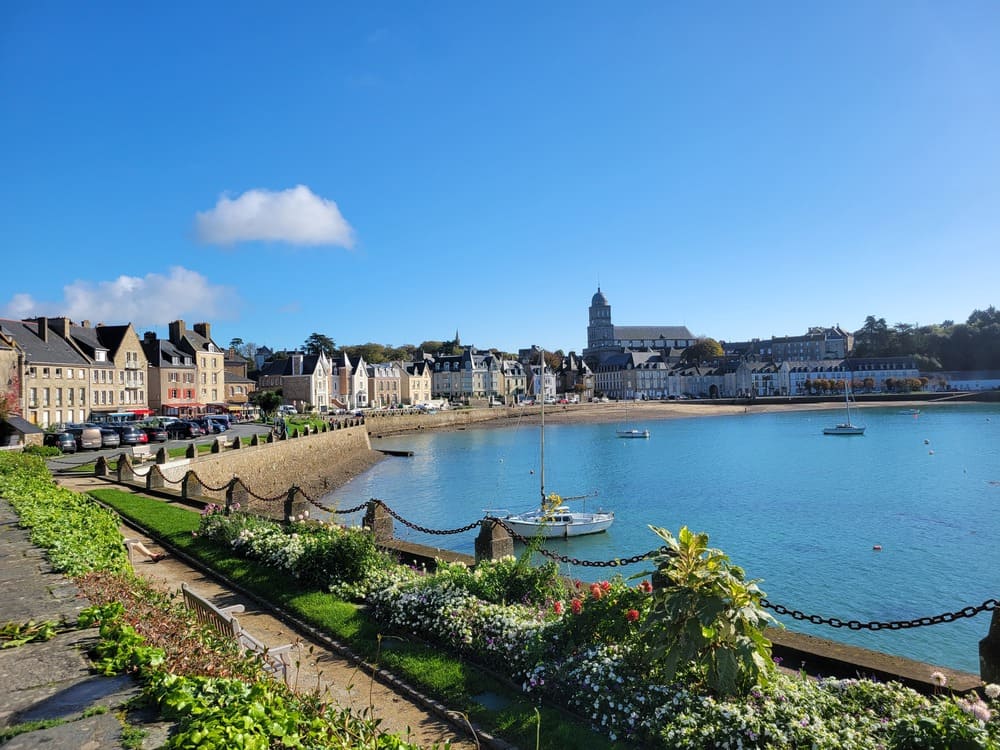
(652, 333)
(56, 350)
(160, 352)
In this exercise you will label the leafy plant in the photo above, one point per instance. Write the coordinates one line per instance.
(704, 613)
(14, 634)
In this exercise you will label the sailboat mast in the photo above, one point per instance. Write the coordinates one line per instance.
(541, 458)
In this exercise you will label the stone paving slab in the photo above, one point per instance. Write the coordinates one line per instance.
(98, 732)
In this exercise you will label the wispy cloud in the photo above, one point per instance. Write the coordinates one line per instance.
(296, 216)
(151, 300)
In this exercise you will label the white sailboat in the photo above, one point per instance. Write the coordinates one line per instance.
(553, 519)
(631, 432)
(846, 427)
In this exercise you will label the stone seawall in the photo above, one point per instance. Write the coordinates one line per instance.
(316, 463)
(450, 419)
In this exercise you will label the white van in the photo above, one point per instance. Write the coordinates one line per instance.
(287, 409)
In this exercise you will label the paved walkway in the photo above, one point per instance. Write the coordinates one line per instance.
(37, 679)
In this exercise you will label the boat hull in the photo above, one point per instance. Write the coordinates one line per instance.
(633, 433)
(844, 429)
(530, 528)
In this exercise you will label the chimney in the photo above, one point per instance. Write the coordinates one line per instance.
(85, 323)
(204, 330)
(43, 328)
(149, 337)
(177, 331)
(61, 326)
(296, 364)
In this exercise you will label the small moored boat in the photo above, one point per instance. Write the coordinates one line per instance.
(559, 522)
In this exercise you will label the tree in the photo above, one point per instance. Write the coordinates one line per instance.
(268, 401)
(10, 397)
(235, 344)
(706, 348)
(318, 343)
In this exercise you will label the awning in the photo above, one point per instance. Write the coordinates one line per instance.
(142, 412)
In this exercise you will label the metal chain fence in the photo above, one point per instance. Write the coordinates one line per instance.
(834, 622)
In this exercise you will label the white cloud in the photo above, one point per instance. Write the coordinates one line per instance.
(296, 216)
(150, 300)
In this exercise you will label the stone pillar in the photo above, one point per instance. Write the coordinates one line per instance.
(493, 541)
(101, 467)
(125, 472)
(254, 441)
(161, 456)
(378, 521)
(989, 651)
(191, 487)
(154, 478)
(217, 446)
(192, 451)
(237, 495)
(295, 504)
(237, 443)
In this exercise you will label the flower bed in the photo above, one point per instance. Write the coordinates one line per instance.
(675, 666)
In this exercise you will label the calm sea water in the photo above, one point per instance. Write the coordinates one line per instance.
(800, 510)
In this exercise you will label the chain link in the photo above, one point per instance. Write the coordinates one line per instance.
(424, 529)
(576, 561)
(834, 622)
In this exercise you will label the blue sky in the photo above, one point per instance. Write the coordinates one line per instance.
(395, 171)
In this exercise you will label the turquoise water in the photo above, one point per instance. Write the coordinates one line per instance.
(798, 509)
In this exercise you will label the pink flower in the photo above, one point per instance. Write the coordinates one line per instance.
(596, 591)
(577, 606)
(632, 615)
(605, 586)
(557, 607)
(646, 587)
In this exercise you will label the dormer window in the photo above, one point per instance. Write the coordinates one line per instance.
(100, 356)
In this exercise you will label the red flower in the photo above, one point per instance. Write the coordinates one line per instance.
(596, 591)
(605, 585)
(558, 608)
(646, 587)
(632, 615)
(577, 606)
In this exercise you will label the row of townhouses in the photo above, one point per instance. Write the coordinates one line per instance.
(57, 371)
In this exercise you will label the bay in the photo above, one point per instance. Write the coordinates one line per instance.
(800, 510)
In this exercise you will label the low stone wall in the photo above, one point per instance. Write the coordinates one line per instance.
(390, 424)
(316, 463)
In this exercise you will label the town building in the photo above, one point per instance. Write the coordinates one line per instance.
(172, 378)
(57, 375)
(604, 338)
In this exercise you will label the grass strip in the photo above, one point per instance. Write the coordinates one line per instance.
(438, 674)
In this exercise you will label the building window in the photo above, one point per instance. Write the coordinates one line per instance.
(45, 372)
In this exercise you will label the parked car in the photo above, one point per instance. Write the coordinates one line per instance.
(131, 434)
(64, 441)
(87, 437)
(155, 433)
(210, 426)
(109, 435)
(181, 430)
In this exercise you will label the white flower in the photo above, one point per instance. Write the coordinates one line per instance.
(992, 691)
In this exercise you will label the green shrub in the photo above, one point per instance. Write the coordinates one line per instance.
(705, 614)
(43, 451)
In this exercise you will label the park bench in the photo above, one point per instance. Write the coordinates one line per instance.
(142, 453)
(224, 622)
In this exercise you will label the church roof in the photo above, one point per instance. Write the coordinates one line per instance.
(599, 298)
(652, 333)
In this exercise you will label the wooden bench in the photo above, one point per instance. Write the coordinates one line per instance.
(275, 659)
(142, 453)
